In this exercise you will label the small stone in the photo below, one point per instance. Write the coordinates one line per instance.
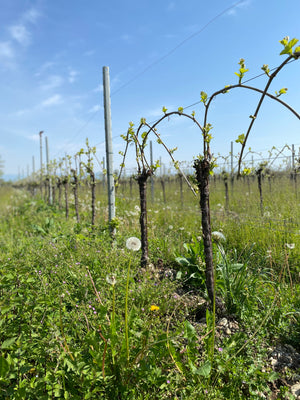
(273, 362)
(228, 331)
(223, 322)
(234, 326)
(295, 389)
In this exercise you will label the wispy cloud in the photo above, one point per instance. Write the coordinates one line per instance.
(6, 50)
(34, 138)
(127, 38)
(44, 68)
(89, 53)
(170, 36)
(20, 34)
(157, 112)
(7, 55)
(171, 6)
(20, 30)
(95, 108)
(98, 89)
(52, 101)
(52, 82)
(31, 15)
(72, 75)
(244, 4)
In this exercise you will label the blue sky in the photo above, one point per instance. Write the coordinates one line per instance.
(160, 53)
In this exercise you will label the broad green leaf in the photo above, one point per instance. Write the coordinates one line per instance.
(190, 332)
(205, 369)
(8, 342)
(203, 97)
(288, 47)
(4, 367)
(179, 275)
(297, 50)
(240, 139)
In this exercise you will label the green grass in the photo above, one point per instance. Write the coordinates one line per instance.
(65, 330)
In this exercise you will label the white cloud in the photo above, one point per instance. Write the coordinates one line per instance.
(95, 108)
(157, 112)
(89, 53)
(20, 33)
(6, 50)
(31, 15)
(72, 75)
(53, 82)
(20, 113)
(98, 89)
(52, 101)
(171, 6)
(7, 55)
(34, 138)
(115, 81)
(45, 67)
(242, 5)
(170, 36)
(126, 38)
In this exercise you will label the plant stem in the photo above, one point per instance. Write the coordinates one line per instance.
(126, 312)
(113, 327)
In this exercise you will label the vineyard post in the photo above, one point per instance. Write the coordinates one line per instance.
(109, 150)
(48, 172)
(75, 191)
(41, 159)
(231, 165)
(33, 166)
(33, 176)
(65, 182)
(151, 177)
(293, 157)
(103, 172)
(294, 170)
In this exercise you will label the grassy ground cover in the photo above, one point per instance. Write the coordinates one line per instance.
(81, 320)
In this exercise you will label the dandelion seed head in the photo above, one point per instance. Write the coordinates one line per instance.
(133, 243)
(290, 246)
(111, 279)
(218, 236)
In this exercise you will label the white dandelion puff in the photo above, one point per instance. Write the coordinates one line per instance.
(290, 246)
(133, 243)
(218, 236)
(111, 279)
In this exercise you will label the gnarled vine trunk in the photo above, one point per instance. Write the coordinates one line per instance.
(75, 191)
(93, 193)
(66, 186)
(142, 182)
(202, 168)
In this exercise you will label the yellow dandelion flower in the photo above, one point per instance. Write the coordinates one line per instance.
(154, 308)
